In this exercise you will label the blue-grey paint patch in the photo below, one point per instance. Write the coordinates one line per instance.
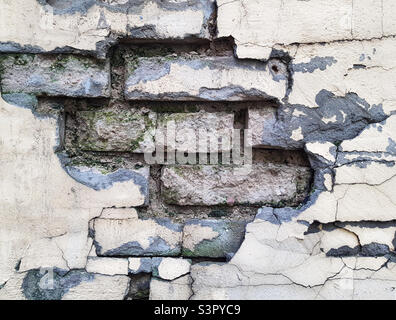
(145, 266)
(102, 23)
(313, 228)
(277, 215)
(148, 71)
(362, 163)
(156, 261)
(209, 263)
(359, 164)
(22, 100)
(61, 7)
(9, 47)
(62, 282)
(144, 32)
(18, 265)
(359, 66)
(157, 247)
(316, 227)
(232, 92)
(362, 57)
(343, 251)
(167, 223)
(205, 94)
(391, 148)
(230, 237)
(316, 63)
(374, 249)
(281, 215)
(358, 156)
(99, 181)
(368, 224)
(303, 222)
(223, 63)
(352, 115)
(319, 177)
(267, 214)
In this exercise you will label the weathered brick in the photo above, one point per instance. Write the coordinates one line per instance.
(62, 75)
(261, 123)
(129, 130)
(212, 238)
(137, 237)
(192, 128)
(270, 184)
(202, 78)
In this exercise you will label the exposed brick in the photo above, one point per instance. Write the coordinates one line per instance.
(261, 123)
(212, 238)
(192, 128)
(129, 130)
(270, 184)
(61, 75)
(202, 78)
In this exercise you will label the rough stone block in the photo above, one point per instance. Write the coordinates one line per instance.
(170, 268)
(137, 237)
(202, 78)
(212, 238)
(130, 130)
(261, 123)
(273, 184)
(195, 131)
(62, 75)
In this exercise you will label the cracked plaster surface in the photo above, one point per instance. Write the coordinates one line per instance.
(276, 260)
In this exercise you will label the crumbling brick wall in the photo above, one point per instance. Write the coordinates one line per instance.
(197, 149)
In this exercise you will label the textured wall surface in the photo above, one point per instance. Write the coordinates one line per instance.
(89, 90)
